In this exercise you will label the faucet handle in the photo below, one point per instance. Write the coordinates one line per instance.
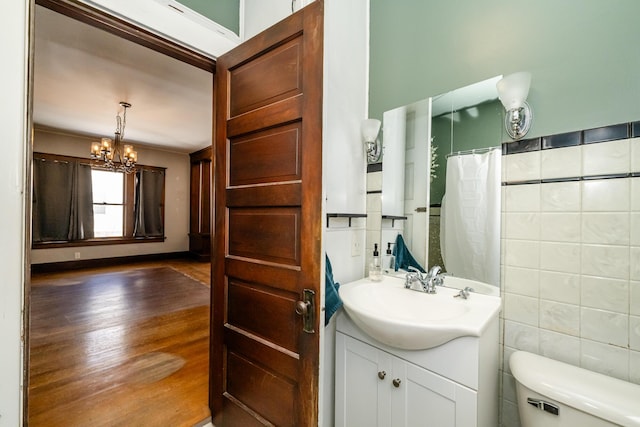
(438, 280)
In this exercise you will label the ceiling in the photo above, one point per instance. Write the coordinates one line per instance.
(82, 73)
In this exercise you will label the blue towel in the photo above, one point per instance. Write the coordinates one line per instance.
(332, 301)
(404, 259)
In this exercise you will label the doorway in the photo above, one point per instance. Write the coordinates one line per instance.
(85, 15)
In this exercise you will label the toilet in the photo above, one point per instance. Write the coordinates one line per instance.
(556, 394)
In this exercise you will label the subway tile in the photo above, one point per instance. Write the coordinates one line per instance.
(561, 257)
(634, 226)
(606, 158)
(635, 194)
(560, 287)
(604, 326)
(606, 228)
(522, 146)
(605, 261)
(524, 281)
(605, 293)
(634, 298)
(509, 388)
(606, 359)
(562, 140)
(522, 253)
(559, 317)
(634, 263)
(510, 414)
(374, 167)
(634, 145)
(524, 226)
(608, 195)
(520, 336)
(606, 133)
(374, 181)
(508, 351)
(560, 227)
(560, 197)
(561, 163)
(562, 347)
(374, 203)
(634, 367)
(522, 198)
(634, 332)
(521, 309)
(522, 167)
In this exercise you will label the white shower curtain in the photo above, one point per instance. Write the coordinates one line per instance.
(470, 217)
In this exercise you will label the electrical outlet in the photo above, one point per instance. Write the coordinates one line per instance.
(356, 247)
(76, 255)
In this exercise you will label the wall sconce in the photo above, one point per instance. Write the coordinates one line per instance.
(370, 129)
(512, 91)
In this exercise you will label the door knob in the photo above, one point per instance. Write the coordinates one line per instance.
(307, 309)
(302, 307)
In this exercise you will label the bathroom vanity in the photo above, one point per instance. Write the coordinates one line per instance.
(450, 384)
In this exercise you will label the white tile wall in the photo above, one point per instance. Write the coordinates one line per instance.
(571, 261)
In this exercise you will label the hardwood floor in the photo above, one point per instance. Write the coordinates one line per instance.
(120, 346)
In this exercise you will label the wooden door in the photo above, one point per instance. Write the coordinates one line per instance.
(267, 251)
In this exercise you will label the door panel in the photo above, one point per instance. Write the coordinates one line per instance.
(280, 72)
(269, 234)
(268, 198)
(250, 305)
(269, 156)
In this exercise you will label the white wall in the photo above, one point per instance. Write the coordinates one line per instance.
(13, 50)
(176, 199)
(258, 15)
(186, 28)
(346, 62)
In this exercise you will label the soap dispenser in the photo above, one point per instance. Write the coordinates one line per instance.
(375, 269)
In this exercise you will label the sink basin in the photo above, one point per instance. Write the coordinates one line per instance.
(413, 320)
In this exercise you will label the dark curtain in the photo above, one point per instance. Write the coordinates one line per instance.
(149, 199)
(62, 201)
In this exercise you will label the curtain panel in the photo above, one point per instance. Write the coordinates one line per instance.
(149, 203)
(62, 200)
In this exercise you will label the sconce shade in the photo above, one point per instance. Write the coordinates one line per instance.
(513, 89)
(370, 129)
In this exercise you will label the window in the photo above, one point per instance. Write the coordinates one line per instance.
(75, 204)
(108, 203)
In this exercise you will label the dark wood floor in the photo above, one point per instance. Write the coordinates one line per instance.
(120, 346)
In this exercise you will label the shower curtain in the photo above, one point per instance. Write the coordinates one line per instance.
(470, 217)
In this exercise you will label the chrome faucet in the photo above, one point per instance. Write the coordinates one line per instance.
(428, 281)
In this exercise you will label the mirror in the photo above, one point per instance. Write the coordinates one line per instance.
(464, 127)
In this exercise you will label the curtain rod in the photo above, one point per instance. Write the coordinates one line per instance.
(474, 151)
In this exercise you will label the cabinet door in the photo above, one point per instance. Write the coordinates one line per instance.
(427, 399)
(362, 400)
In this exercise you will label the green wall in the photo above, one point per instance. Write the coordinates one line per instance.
(582, 54)
(224, 12)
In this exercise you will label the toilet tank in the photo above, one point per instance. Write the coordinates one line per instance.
(556, 394)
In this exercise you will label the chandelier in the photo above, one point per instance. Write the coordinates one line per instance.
(113, 154)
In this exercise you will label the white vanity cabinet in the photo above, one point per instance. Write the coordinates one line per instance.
(376, 388)
(377, 385)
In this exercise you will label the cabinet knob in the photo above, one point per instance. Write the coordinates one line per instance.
(382, 374)
(396, 382)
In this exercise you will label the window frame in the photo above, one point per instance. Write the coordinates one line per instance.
(129, 208)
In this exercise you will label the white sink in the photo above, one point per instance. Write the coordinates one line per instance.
(413, 320)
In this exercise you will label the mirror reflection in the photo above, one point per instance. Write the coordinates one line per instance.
(441, 182)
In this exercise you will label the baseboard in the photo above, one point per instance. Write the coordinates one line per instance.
(105, 262)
